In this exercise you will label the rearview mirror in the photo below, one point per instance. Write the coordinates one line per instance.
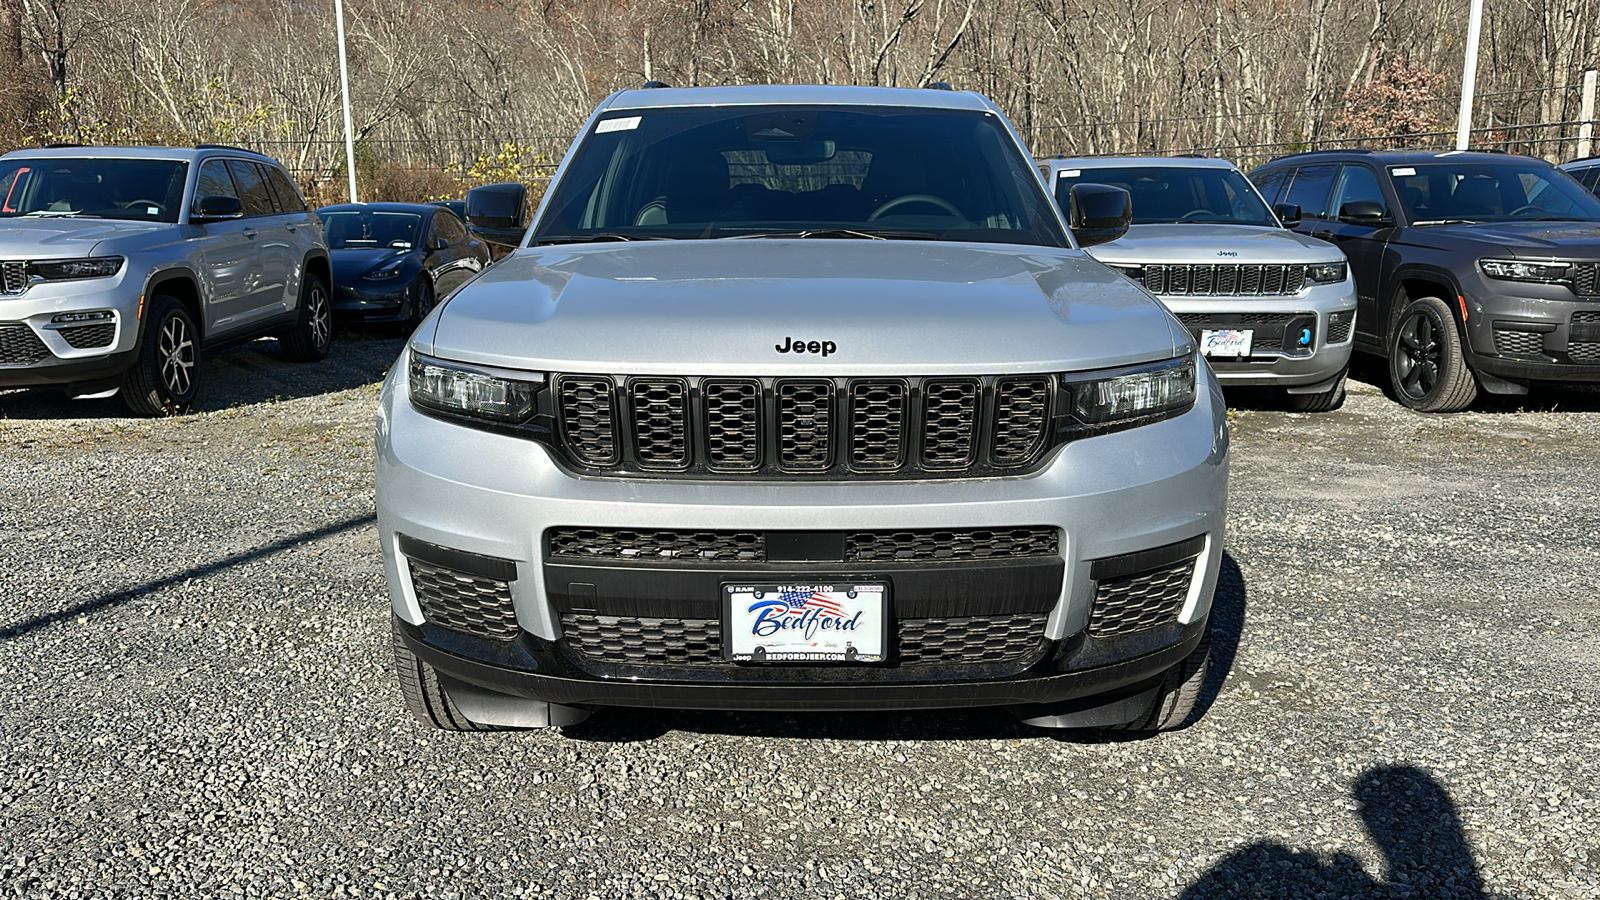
(1098, 213)
(216, 209)
(1364, 212)
(1287, 213)
(496, 213)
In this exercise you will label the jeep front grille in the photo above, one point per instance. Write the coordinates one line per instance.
(13, 277)
(923, 545)
(1583, 279)
(1220, 280)
(906, 427)
(19, 346)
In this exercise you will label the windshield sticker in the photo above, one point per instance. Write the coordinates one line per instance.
(628, 124)
(1070, 173)
(1402, 171)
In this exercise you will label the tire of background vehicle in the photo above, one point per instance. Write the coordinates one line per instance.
(1426, 366)
(425, 697)
(1319, 402)
(1179, 693)
(423, 305)
(312, 335)
(164, 377)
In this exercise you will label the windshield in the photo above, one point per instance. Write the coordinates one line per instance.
(1474, 191)
(822, 171)
(1165, 194)
(147, 190)
(362, 229)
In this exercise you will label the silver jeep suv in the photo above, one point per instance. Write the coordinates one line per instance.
(121, 263)
(1268, 306)
(800, 398)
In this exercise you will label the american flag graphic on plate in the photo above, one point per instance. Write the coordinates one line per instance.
(840, 622)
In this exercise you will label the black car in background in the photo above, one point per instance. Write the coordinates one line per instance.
(393, 261)
(1473, 270)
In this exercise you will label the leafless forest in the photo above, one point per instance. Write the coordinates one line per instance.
(450, 91)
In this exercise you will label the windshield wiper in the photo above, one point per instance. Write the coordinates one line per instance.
(837, 233)
(597, 238)
(1447, 222)
(48, 214)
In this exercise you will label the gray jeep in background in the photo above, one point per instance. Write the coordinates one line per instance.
(1266, 305)
(120, 264)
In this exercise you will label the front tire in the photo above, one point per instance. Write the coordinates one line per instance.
(422, 304)
(1323, 401)
(1426, 365)
(164, 378)
(425, 698)
(312, 335)
(1179, 693)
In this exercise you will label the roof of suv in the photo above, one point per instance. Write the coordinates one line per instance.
(1390, 157)
(796, 94)
(1106, 162)
(184, 153)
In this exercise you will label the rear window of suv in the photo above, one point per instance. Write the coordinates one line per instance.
(145, 190)
(734, 171)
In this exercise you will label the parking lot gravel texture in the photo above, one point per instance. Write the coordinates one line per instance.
(196, 696)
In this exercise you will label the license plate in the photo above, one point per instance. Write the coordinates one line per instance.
(1230, 342)
(807, 622)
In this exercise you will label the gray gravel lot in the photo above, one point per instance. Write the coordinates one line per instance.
(195, 697)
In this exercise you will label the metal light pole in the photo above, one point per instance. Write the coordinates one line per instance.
(344, 89)
(1469, 75)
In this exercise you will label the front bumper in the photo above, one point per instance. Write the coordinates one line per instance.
(373, 301)
(488, 501)
(40, 346)
(1279, 359)
(1531, 332)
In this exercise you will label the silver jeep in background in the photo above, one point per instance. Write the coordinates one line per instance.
(121, 263)
(1267, 306)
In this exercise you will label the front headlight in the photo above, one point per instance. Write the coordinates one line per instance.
(65, 269)
(386, 271)
(1522, 270)
(1125, 396)
(1327, 273)
(477, 391)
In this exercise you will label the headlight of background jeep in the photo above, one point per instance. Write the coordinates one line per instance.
(476, 391)
(63, 269)
(1131, 396)
(1327, 273)
(1522, 270)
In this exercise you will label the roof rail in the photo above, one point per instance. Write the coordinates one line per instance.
(1316, 152)
(938, 86)
(1190, 156)
(652, 85)
(225, 147)
(59, 146)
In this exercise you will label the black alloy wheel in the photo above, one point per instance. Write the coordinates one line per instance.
(1426, 365)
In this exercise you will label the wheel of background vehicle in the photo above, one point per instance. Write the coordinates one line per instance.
(1426, 366)
(1322, 401)
(1179, 693)
(423, 304)
(163, 379)
(312, 335)
(425, 697)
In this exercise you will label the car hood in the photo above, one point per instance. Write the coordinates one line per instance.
(358, 261)
(1222, 244)
(45, 237)
(725, 307)
(1533, 240)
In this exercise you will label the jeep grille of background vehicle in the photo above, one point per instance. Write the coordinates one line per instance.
(1518, 343)
(83, 337)
(1583, 279)
(926, 545)
(19, 346)
(710, 426)
(1130, 603)
(13, 277)
(623, 640)
(462, 601)
(1220, 280)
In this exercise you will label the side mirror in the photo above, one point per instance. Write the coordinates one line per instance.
(497, 213)
(1098, 213)
(1287, 213)
(216, 209)
(1364, 212)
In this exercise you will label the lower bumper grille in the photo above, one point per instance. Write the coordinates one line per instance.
(19, 346)
(1508, 342)
(1271, 332)
(1584, 351)
(928, 545)
(1339, 327)
(462, 601)
(698, 642)
(84, 337)
(1130, 603)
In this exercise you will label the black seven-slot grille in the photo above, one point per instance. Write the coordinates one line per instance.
(932, 426)
(1205, 280)
(625, 640)
(924, 545)
(1583, 279)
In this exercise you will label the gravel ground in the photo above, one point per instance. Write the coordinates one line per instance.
(195, 697)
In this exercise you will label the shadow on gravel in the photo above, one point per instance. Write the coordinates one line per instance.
(631, 725)
(250, 373)
(100, 604)
(1412, 820)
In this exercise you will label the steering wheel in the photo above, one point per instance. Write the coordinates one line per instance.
(905, 199)
(160, 207)
(1197, 214)
(1527, 208)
